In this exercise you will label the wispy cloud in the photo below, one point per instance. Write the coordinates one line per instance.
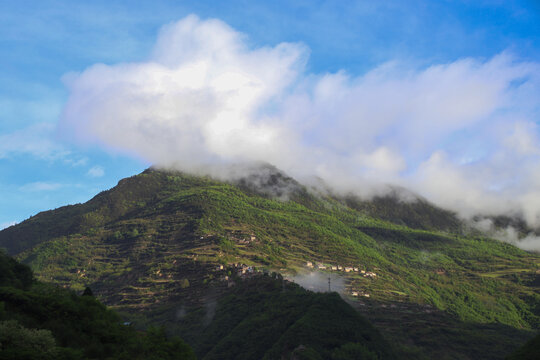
(96, 171)
(34, 140)
(38, 140)
(76, 162)
(463, 134)
(41, 186)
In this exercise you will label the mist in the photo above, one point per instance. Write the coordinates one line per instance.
(318, 281)
(461, 134)
(510, 234)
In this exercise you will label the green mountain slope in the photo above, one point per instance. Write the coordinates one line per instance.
(156, 242)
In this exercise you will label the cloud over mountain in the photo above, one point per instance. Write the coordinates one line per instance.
(463, 134)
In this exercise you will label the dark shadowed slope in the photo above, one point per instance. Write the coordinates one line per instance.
(265, 318)
(529, 351)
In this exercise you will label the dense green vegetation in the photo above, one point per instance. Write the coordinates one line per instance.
(41, 321)
(154, 242)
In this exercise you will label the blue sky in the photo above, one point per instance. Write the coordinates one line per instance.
(42, 166)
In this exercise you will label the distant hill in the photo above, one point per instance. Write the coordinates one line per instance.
(266, 318)
(42, 321)
(164, 242)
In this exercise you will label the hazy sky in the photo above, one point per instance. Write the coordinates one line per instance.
(441, 97)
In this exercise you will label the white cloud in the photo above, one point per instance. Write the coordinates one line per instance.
(193, 102)
(76, 162)
(463, 134)
(96, 171)
(39, 141)
(530, 242)
(40, 186)
(34, 140)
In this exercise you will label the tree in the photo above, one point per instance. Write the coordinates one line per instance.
(184, 283)
(18, 342)
(87, 292)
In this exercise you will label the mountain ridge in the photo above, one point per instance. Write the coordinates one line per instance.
(274, 184)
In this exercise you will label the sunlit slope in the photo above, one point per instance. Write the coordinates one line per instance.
(157, 237)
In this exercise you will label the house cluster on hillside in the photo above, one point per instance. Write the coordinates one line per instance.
(346, 269)
(81, 273)
(241, 238)
(244, 240)
(242, 270)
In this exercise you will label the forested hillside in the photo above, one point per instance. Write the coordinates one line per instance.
(43, 321)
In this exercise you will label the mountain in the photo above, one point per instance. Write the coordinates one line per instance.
(163, 245)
